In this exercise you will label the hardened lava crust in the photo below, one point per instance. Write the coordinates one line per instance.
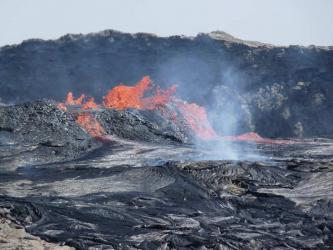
(151, 190)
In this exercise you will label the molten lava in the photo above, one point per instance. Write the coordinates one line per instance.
(144, 95)
(90, 124)
(137, 97)
(90, 104)
(254, 137)
(160, 98)
(124, 97)
(71, 101)
(196, 118)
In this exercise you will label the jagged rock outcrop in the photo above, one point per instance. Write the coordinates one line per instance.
(275, 91)
(38, 133)
(143, 125)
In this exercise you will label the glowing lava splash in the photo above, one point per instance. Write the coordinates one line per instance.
(146, 96)
(196, 118)
(143, 95)
(254, 137)
(91, 125)
(124, 97)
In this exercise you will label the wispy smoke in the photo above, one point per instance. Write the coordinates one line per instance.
(220, 94)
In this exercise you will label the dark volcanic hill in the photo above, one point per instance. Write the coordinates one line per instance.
(275, 91)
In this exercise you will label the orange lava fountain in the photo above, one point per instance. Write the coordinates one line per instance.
(144, 95)
(125, 97)
(71, 101)
(90, 104)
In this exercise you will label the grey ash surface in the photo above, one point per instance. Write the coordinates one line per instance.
(282, 204)
(158, 194)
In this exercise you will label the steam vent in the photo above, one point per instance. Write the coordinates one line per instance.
(132, 141)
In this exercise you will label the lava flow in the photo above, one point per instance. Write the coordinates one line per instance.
(145, 96)
(254, 137)
(197, 119)
(91, 125)
(137, 97)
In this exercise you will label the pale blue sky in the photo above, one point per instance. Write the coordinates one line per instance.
(280, 22)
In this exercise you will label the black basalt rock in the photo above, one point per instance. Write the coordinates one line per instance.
(40, 132)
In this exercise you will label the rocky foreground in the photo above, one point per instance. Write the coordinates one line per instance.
(155, 189)
(13, 236)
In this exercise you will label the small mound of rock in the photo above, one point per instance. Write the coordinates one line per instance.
(142, 125)
(38, 132)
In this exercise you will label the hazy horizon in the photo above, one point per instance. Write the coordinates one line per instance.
(283, 22)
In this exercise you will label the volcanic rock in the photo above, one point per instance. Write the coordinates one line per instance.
(277, 91)
(281, 203)
(143, 125)
(151, 190)
(146, 184)
(13, 236)
(39, 132)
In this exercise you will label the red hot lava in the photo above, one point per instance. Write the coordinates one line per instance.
(196, 118)
(91, 125)
(254, 137)
(124, 97)
(71, 101)
(144, 95)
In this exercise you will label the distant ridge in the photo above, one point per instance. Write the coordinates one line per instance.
(215, 35)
